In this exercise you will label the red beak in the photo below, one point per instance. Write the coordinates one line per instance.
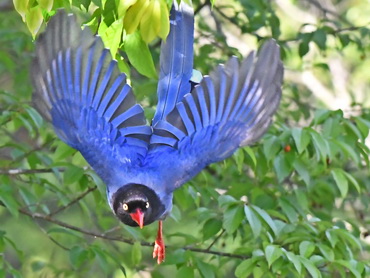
(138, 217)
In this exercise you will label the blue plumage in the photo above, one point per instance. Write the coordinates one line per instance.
(92, 108)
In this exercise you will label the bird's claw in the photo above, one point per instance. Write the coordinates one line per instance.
(159, 250)
(159, 247)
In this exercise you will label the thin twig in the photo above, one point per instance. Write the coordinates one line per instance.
(14, 172)
(216, 239)
(54, 240)
(78, 198)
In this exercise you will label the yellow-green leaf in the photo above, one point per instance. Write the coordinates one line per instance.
(134, 14)
(164, 21)
(123, 5)
(34, 20)
(21, 6)
(150, 22)
(111, 35)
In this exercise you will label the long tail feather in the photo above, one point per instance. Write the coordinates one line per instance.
(176, 61)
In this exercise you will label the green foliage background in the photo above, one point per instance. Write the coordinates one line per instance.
(294, 205)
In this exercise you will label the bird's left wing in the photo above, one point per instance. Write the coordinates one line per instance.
(79, 88)
(230, 108)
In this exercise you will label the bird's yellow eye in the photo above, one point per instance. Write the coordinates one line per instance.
(125, 207)
(147, 204)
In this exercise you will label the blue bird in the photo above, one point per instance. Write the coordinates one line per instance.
(79, 89)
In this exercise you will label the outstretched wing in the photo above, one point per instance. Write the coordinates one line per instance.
(176, 60)
(81, 91)
(230, 108)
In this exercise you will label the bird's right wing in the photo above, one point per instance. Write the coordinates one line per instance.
(230, 108)
(81, 91)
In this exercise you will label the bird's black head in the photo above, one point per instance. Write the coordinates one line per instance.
(137, 205)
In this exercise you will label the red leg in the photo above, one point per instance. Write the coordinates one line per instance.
(159, 247)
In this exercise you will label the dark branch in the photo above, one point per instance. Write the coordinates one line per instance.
(121, 239)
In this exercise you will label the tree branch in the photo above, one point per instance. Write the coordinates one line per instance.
(201, 6)
(121, 239)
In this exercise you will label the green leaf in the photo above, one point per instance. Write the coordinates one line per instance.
(37, 265)
(233, 217)
(211, 227)
(264, 215)
(348, 265)
(295, 260)
(353, 181)
(253, 221)
(363, 125)
(332, 237)
(271, 146)
(320, 145)
(7, 198)
(288, 210)
(311, 268)
(306, 248)
(348, 150)
(77, 256)
(301, 139)
(205, 269)
(245, 268)
(251, 154)
(341, 181)
(72, 174)
(239, 159)
(303, 48)
(272, 253)
(321, 115)
(136, 255)
(282, 167)
(327, 252)
(347, 236)
(319, 37)
(36, 118)
(185, 272)
(225, 201)
(139, 55)
(301, 169)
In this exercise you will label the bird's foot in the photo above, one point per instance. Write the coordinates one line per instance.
(159, 247)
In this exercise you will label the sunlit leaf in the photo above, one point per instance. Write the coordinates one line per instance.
(139, 55)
